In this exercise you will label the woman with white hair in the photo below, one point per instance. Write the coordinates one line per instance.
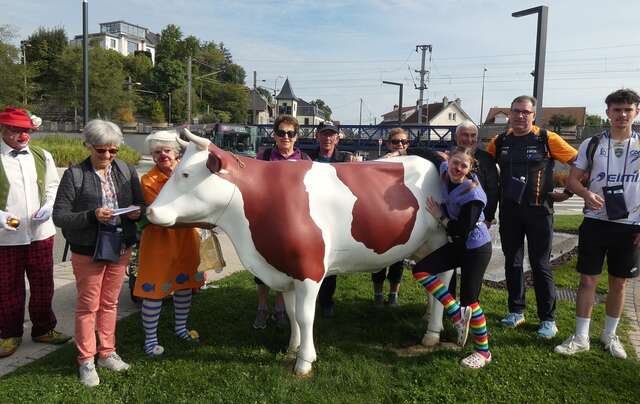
(100, 239)
(168, 257)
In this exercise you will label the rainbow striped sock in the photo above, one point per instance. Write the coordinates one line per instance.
(435, 286)
(479, 330)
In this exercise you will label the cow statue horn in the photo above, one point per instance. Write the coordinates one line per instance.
(200, 142)
(182, 143)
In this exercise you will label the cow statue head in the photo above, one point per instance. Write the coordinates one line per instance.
(196, 193)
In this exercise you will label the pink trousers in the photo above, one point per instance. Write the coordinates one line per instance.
(98, 285)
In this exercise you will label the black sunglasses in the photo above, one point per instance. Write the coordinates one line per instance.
(398, 141)
(103, 151)
(288, 133)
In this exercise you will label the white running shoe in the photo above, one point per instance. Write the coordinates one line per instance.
(462, 327)
(572, 345)
(88, 375)
(113, 362)
(614, 346)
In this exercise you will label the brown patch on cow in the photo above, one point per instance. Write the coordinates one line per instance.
(385, 210)
(276, 204)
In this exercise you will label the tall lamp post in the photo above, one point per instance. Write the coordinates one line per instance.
(399, 99)
(484, 72)
(275, 85)
(85, 58)
(25, 44)
(541, 50)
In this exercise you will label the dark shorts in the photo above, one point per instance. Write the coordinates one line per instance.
(599, 238)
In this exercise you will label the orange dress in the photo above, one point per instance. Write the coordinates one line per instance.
(168, 258)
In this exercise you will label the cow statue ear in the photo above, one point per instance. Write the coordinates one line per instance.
(214, 161)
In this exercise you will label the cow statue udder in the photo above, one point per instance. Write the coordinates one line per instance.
(294, 222)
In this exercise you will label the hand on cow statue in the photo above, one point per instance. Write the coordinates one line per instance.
(434, 207)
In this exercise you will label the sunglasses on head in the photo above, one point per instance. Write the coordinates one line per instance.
(103, 151)
(398, 141)
(288, 133)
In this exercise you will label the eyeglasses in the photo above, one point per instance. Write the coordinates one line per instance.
(288, 133)
(103, 151)
(524, 112)
(17, 130)
(398, 141)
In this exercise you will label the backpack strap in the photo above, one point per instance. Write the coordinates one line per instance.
(544, 137)
(124, 169)
(591, 152)
(498, 143)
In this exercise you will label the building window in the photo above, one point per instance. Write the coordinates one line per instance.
(113, 44)
(306, 121)
(452, 116)
(131, 47)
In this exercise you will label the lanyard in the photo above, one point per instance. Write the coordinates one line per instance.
(624, 168)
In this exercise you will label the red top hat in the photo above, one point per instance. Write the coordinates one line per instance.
(16, 117)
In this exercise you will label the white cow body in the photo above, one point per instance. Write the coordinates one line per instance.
(196, 195)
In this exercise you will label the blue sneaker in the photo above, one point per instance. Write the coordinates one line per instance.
(547, 329)
(512, 320)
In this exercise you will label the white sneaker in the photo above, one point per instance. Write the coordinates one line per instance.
(462, 327)
(88, 375)
(113, 362)
(572, 345)
(612, 344)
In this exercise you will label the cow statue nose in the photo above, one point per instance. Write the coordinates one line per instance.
(160, 217)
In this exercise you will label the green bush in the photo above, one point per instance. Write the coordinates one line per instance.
(66, 150)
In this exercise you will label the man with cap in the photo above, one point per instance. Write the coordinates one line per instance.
(328, 136)
(28, 185)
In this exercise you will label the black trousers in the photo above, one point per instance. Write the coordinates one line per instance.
(327, 290)
(536, 223)
(472, 262)
(394, 273)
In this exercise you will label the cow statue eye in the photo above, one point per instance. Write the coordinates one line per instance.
(185, 175)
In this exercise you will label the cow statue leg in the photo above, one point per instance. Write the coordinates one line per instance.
(294, 339)
(435, 313)
(306, 293)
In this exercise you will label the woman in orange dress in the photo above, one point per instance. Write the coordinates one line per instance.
(168, 257)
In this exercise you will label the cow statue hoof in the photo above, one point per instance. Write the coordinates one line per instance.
(303, 368)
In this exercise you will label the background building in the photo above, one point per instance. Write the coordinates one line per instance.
(123, 37)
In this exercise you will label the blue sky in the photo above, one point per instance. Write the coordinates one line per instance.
(340, 51)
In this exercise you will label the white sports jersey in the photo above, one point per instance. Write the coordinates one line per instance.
(616, 154)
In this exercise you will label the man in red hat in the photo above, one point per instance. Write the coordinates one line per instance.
(28, 185)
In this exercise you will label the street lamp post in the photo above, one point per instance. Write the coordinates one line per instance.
(541, 49)
(275, 85)
(85, 58)
(484, 72)
(399, 99)
(25, 44)
(169, 94)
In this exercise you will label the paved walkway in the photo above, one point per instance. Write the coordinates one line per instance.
(65, 295)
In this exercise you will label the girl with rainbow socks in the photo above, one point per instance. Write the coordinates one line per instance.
(470, 248)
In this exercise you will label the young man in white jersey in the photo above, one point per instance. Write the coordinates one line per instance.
(610, 188)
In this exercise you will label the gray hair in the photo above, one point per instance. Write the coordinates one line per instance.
(98, 132)
(154, 144)
(524, 98)
(467, 125)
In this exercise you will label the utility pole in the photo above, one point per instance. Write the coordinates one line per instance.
(484, 72)
(169, 114)
(399, 99)
(25, 44)
(85, 59)
(360, 120)
(423, 83)
(253, 98)
(189, 90)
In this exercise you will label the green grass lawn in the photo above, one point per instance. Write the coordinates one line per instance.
(237, 364)
(567, 223)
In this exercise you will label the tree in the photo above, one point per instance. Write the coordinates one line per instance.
(157, 114)
(233, 73)
(594, 120)
(169, 44)
(265, 93)
(43, 48)
(559, 121)
(12, 73)
(323, 108)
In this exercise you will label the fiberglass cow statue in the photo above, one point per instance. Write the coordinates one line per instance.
(293, 223)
